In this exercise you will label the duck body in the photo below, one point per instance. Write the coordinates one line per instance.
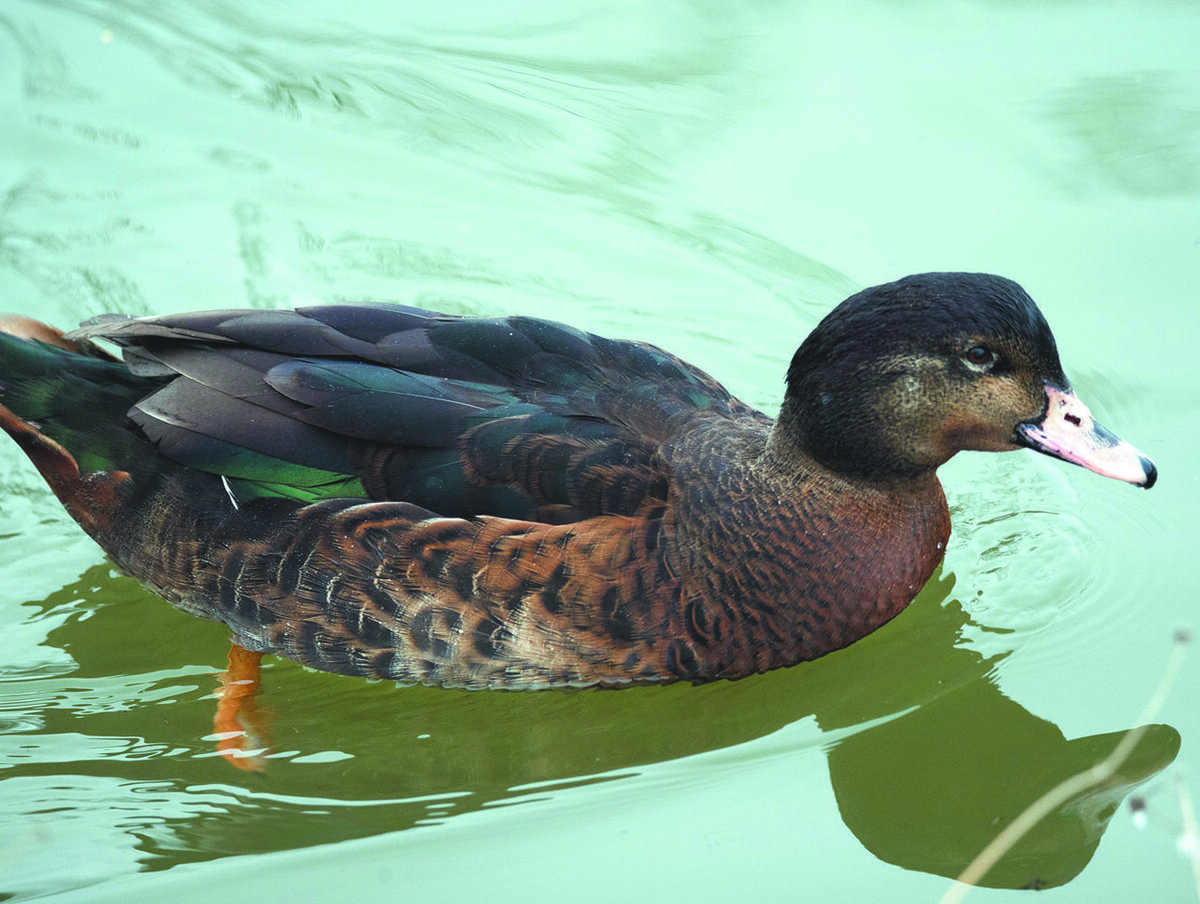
(388, 492)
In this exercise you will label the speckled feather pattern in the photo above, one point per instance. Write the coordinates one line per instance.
(390, 590)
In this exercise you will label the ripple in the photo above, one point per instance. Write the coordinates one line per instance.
(1043, 552)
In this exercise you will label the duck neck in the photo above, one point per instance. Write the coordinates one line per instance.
(809, 439)
(861, 550)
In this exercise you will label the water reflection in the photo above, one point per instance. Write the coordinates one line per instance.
(927, 758)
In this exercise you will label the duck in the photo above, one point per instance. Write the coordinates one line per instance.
(509, 502)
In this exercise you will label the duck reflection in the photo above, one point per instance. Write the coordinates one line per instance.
(928, 759)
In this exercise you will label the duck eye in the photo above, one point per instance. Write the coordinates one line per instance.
(980, 356)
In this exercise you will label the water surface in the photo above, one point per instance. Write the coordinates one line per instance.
(708, 177)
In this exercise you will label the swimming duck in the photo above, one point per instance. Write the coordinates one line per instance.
(384, 491)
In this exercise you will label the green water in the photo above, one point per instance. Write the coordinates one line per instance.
(709, 177)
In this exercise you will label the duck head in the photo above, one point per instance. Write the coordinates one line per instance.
(900, 377)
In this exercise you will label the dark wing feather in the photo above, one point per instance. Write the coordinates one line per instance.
(369, 322)
(229, 370)
(204, 411)
(369, 402)
(513, 416)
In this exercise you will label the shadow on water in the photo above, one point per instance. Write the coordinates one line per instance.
(928, 759)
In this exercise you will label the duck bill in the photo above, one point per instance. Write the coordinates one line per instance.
(1067, 430)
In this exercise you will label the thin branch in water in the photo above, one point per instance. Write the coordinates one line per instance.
(1077, 784)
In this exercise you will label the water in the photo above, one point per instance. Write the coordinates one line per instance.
(709, 177)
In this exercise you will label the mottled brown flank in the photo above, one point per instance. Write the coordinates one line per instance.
(389, 590)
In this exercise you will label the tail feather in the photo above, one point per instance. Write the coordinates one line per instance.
(72, 393)
(91, 499)
(56, 395)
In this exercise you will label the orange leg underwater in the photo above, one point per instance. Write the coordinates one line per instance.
(242, 729)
